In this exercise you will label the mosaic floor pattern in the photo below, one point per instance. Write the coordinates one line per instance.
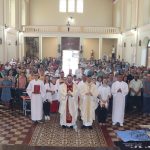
(18, 129)
(51, 134)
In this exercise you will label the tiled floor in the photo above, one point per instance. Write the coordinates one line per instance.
(18, 129)
(14, 129)
(132, 122)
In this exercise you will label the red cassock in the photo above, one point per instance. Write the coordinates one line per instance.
(54, 106)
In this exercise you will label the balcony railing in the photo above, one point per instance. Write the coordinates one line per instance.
(71, 29)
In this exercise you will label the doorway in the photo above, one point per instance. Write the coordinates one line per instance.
(70, 61)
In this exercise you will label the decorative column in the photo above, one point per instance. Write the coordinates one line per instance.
(100, 48)
(40, 46)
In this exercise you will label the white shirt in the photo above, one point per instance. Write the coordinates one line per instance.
(136, 85)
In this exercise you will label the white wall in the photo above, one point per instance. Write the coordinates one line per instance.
(46, 12)
(133, 52)
(11, 49)
(130, 49)
(107, 46)
(1, 12)
(49, 47)
(117, 14)
(90, 44)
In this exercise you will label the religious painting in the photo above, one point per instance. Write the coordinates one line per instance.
(70, 43)
(31, 46)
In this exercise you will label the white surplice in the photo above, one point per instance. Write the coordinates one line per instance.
(54, 88)
(105, 93)
(58, 84)
(48, 94)
(36, 99)
(119, 101)
(72, 104)
(89, 103)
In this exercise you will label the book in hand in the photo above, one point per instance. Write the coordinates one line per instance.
(36, 89)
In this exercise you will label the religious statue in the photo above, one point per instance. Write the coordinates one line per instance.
(92, 54)
(113, 52)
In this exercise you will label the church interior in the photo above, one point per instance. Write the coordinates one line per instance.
(55, 37)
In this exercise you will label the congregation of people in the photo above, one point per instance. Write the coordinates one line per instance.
(96, 89)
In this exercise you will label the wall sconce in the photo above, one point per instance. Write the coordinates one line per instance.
(81, 49)
(69, 22)
(58, 48)
(140, 42)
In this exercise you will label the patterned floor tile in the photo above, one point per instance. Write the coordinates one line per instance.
(19, 130)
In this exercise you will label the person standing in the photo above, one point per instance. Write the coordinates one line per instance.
(21, 84)
(104, 96)
(37, 92)
(46, 104)
(54, 92)
(135, 94)
(89, 93)
(68, 103)
(119, 90)
(6, 85)
(146, 95)
(80, 86)
(113, 52)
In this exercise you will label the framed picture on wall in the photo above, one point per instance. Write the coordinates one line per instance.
(0, 41)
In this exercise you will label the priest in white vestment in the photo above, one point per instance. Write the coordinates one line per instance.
(68, 109)
(80, 86)
(37, 92)
(88, 93)
(60, 81)
(119, 90)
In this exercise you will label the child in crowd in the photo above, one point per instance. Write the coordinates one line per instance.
(104, 95)
(46, 104)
